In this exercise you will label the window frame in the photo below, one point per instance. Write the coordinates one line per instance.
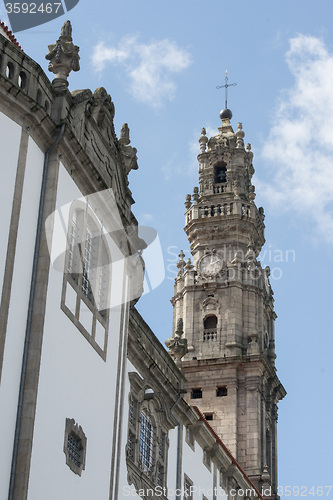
(155, 473)
(89, 296)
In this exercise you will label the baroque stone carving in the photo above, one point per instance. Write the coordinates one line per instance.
(128, 153)
(177, 345)
(63, 56)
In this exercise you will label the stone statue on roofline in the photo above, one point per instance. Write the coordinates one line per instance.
(63, 56)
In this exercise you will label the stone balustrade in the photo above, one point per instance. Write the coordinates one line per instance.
(237, 207)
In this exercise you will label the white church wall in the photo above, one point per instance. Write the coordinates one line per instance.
(75, 382)
(194, 468)
(17, 315)
(9, 146)
(172, 460)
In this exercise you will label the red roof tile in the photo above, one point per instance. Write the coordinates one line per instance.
(9, 34)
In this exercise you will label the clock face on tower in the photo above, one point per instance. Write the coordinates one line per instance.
(210, 264)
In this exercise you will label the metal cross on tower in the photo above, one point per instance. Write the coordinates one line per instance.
(226, 88)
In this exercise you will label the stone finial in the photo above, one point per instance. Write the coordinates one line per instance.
(237, 259)
(66, 30)
(124, 135)
(128, 153)
(189, 266)
(203, 140)
(188, 201)
(63, 56)
(181, 264)
(240, 136)
(248, 147)
(252, 193)
(177, 345)
(237, 189)
(250, 255)
(195, 194)
(180, 327)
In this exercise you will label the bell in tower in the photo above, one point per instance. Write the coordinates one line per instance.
(224, 299)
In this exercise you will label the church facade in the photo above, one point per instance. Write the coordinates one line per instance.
(122, 420)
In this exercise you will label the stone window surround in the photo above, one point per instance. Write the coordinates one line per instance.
(187, 484)
(189, 437)
(207, 459)
(73, 428)
(68, 280)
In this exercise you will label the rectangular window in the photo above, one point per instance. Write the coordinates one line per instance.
(87, 278)
(208, 416)
(196, 394)
(146, 442)
(221, 391)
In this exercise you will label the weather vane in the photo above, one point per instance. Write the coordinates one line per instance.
(226, 88)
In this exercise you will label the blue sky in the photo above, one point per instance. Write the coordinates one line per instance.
(161, 63)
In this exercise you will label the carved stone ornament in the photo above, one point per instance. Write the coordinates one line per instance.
(177, 345)
(130, 159)
(63, 56)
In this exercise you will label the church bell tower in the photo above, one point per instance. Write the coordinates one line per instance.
(224, 307)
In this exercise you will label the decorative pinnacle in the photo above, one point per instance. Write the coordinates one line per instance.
(63, 56)
(225, 86)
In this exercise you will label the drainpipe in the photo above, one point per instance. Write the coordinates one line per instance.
(29, 316)
(178, 464)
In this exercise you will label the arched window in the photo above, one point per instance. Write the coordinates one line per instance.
(147, 441)
(210, 328)
(220, 173)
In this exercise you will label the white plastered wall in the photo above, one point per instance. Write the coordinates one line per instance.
(17, 314)
(75, 382)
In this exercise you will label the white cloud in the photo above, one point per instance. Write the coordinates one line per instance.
(149, 67)
(299, 149)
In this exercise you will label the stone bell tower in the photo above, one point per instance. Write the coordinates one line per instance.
(225, 303)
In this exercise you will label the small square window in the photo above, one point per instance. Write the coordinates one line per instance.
(75, 446)
(196, 394)
(221, 391)
(208, 416)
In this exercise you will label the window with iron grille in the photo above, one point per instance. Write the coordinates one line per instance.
(75, 445)
(146, 442)
(147, 438)
(196, 394)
